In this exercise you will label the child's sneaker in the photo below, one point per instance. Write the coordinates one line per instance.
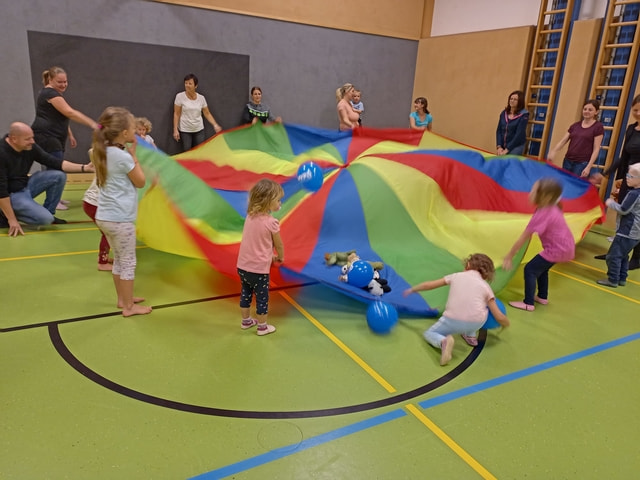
(447, 348)
(473, 341)
(522, 306)
(248, 323)
(541, 301)
(265, 329)
(607, 283)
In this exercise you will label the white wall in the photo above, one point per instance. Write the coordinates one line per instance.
(463, 16)
(593, 9)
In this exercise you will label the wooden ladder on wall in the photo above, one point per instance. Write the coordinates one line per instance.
(552, 32)
(615, 73)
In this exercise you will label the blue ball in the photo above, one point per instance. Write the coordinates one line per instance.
(361, 274)
(310, 176)
(381, 317)
(491, 321)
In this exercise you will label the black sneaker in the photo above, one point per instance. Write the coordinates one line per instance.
(58, 221)
(601, 257)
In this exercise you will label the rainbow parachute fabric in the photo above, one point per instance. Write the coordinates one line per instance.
(415, 201)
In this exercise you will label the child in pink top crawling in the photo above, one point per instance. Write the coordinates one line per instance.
(260, 235)
(466, 310)
(558, 244)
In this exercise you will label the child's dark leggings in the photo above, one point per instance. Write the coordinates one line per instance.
(258, 284)
(536, 272)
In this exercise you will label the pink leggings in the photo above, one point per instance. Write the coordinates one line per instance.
(122, 238)
(103, 255)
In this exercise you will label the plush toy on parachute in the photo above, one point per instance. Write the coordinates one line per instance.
(365, 275)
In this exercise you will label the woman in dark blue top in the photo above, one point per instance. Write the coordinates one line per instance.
(511, 133)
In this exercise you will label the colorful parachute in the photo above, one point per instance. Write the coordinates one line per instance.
(415, 201)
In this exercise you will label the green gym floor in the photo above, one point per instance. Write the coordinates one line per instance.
(185, 393)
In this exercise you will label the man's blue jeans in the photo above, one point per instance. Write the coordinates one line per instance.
(27, 210)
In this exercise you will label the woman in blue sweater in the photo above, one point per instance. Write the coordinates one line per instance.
(511, 133)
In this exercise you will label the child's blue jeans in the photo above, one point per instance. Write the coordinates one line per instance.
(618, 258)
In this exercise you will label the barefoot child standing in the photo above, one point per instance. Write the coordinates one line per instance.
(118, 176)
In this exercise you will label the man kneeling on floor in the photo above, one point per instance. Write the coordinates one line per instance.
(18, 190)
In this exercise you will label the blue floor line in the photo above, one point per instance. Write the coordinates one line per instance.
(395, 414)
(304, 445)
(432, 402)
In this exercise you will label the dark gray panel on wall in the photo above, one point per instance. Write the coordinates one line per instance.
(144, 78)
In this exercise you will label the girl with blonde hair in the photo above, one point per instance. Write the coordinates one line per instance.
(260, 236)
(118, 176)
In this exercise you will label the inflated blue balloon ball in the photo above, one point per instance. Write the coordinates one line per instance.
(310, 176)
(491, 321)
(361, 274)
(381, 317)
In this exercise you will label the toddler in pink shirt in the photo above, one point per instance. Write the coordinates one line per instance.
(466, 309)
(260, 236)
(557, 240)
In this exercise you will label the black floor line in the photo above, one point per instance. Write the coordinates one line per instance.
(155, 307)
(69, 357)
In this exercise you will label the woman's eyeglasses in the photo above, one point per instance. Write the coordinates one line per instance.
(631, 176)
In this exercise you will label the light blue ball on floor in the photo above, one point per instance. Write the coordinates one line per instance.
(491, 322)
(381, 317)
(310, 176)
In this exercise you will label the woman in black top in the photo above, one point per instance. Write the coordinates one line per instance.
(629, 155)
(255, 110)
(51, 125)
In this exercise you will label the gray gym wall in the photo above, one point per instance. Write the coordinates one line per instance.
(298, 66)
(137, 76)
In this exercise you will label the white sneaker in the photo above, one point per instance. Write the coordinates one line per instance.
(265, 329)
(61, 206)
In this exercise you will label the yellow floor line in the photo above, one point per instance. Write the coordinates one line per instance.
(44, 232)
(50, 255)
(457, 449)
(589, 267)
(592, 284)
(376, 376)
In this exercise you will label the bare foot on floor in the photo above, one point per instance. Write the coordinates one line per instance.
(105, 267)
(136, 310)
(135, 300)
